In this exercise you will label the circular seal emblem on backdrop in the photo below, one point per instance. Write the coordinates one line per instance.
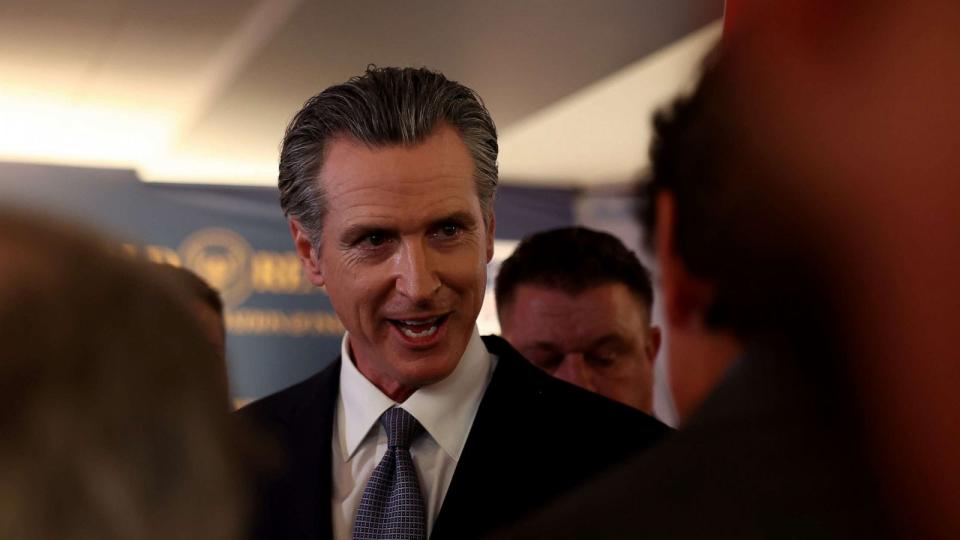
(222, 258)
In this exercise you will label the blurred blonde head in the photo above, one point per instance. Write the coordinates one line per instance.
(114, 415)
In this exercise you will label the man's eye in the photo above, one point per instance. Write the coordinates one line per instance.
(371, 240)
(543, 360)
(552, 363)
(449, 230)
(605, 359)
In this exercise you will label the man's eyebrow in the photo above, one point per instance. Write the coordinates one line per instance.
(545, 346)
(359, 230)
(607, 339)
(463, 218)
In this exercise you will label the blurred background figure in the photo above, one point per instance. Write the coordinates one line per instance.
(577, 303)
(817, 224)
(113, 424)
(205, 302)
(207, 306)
(772, 446)
(857, 104)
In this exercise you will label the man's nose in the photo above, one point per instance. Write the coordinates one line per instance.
(417, 277)
(574, 370)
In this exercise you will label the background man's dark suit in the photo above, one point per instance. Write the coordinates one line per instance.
(533, 437)
(774, 452)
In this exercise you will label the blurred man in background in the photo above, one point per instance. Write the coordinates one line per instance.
(113, 422)
(207, 308)
(577, 303)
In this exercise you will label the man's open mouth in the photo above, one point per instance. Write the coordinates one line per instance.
(419, 328)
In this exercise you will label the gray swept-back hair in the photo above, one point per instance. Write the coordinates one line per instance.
(382, 107)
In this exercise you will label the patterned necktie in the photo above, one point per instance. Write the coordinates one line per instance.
(392, 506)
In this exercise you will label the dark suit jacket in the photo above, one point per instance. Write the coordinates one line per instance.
(533, 438)
(774, 452)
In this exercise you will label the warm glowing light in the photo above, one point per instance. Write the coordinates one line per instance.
(52, 128)
(178, 168)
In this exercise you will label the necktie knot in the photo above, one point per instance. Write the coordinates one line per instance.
(401, 427)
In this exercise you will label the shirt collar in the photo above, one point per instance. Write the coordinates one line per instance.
(445, 409)
(360, 404)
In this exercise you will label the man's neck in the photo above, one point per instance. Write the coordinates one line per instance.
(697, 361)
(389, 386)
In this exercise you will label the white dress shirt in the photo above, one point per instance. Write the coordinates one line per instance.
(445, 409)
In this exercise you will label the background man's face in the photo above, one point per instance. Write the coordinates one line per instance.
(403, 256)
(599, 339)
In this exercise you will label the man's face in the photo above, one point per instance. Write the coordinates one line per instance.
(599, 339)
(403, 256)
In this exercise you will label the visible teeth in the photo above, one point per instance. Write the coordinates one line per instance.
(419, 328)
(426, 333)
(420, 322)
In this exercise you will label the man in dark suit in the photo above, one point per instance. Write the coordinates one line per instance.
(420, 428)
(779, 448)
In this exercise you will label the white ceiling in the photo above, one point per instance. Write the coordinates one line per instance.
(201, 90)
(600, 134)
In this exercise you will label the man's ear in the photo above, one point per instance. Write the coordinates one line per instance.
(685, 296)
(655, 338)
(491, 232)
(308, 254)
(505, 318)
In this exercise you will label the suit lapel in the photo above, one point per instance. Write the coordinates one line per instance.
(311, 477)
(472, 504)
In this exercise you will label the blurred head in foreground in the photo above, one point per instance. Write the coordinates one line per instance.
(846, 114)
(689, 208)
(738, 266)
(856, 102)
(114, 424)
(577, 303)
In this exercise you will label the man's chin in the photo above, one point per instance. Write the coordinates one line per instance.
(426, 369)
(422, 367)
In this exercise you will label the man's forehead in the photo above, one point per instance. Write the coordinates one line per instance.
(442, 130)
(444, 148)
(575, 291)
(437, 172)
(608, 300)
